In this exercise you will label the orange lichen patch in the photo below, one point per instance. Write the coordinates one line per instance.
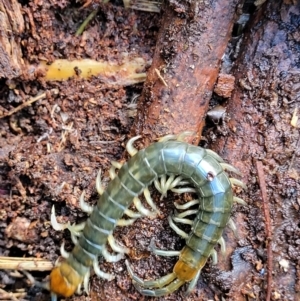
(129, 72)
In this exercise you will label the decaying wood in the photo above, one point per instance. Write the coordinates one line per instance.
(267, 76)
(190, 45)
(11, 26)
(26, 264)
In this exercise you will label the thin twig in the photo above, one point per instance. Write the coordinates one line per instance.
(266, 209)
(28, 103)
(4, 295)
(160, 77)
(27, 264)
(90, 17)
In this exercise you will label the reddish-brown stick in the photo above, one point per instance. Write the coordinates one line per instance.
(266, 209)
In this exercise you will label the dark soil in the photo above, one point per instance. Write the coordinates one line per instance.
(52, 151)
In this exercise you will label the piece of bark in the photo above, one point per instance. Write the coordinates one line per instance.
(11, 26)
(225, 85)
(179, 84)
(266, 94)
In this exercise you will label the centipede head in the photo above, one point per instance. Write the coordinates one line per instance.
(64, 281)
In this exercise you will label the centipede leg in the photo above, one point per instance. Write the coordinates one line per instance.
(176, 229)
(85, 207)
(129, 146)
(143, 210)
(239, 201)
(63, 252)
(115, 246)
(162, 252)
(112, 171)
(178, 137)
(185, 221)
(150, 283)
(100, 273)
(232, 226)
(110, 257)
(164, 185)
(193, 283)
(228, 167)
(86, 282)
(222, 243)
(172, 287)
(180, 217)
(186, 205)
(238, 183)
(99, 186)
(125, 222)
(132, 214)
(214, 256)
(149, 200)
(214, 155)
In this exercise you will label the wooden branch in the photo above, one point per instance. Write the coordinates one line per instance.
(27, 264)
(266, 209)
(179, 84)
(11, 26)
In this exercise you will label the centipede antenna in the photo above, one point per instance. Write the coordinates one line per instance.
(186, 205)
(239, 201)
(230, 168)
(99, 187)
(129, 146)
(214, 256)
(238, 183)
(149, 200)
(85, 207)
(110, 257)
(222, 243)
(55, 224)
(100, 273)
(176, 229)
(144, 211)
(115, 246)
(63, 252)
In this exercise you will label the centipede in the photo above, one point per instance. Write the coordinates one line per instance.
(170, 163)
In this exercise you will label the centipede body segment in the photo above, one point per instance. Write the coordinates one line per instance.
(182, 162)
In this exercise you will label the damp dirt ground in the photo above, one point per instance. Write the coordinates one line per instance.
(52, 151)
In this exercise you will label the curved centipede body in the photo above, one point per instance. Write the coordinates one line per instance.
(201, 168)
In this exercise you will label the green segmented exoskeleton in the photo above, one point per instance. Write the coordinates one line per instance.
(200, 167)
